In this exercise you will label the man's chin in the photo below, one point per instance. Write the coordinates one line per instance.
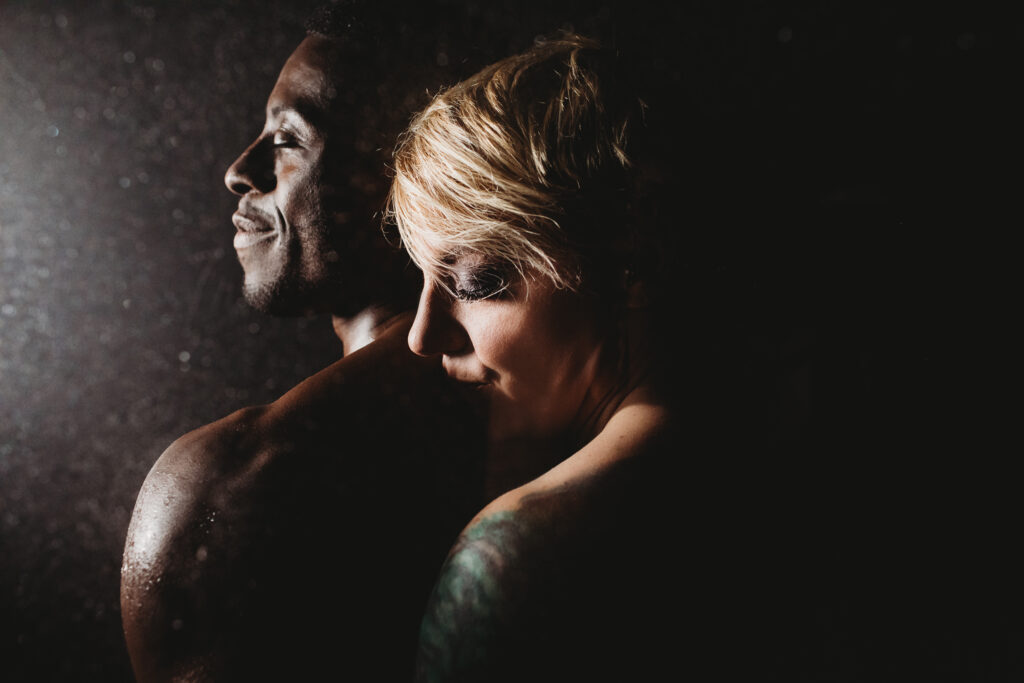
(278, 299)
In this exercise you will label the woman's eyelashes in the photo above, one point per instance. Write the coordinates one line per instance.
(478, 284)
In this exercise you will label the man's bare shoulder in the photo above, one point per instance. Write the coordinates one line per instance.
(218, 463)
(173, 528)
(227, 510)
(356, 401)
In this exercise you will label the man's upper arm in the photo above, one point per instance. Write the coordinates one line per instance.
(153, 553)
(171, 562)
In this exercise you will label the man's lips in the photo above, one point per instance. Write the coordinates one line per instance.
(251, 229)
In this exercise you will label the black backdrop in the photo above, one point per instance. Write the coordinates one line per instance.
(864, 259)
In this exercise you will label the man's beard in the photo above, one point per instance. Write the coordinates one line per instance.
(287, 297)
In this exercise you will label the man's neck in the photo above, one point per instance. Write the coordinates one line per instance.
(358, 330)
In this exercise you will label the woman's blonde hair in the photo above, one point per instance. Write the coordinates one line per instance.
(524, 164)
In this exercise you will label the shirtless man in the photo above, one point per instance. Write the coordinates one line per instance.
(305, 534)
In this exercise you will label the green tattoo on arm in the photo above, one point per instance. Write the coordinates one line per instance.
(474, 602)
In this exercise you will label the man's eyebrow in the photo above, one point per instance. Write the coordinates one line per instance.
(279, 109)
(308, 112)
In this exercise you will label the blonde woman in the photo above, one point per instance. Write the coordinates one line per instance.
(516, 192)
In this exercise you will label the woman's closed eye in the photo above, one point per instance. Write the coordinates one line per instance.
(479, 284)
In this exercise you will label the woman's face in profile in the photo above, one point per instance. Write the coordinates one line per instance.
(533, 348)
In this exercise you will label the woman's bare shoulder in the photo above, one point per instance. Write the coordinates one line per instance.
(524, 572)
(635, 438)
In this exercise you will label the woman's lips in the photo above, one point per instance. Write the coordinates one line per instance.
(464, 377)
(467, 380)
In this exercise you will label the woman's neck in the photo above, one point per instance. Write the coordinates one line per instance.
(624, 375)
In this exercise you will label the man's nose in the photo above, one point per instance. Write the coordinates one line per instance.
(252, 170)
(435, 330)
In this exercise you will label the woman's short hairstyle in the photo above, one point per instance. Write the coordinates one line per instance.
(525, 164)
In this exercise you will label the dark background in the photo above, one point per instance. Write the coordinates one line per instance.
(873, 155)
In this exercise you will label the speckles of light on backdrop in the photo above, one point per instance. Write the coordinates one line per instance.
(121, 322)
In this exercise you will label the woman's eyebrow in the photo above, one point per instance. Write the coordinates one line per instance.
(451, 258)
(466, 258)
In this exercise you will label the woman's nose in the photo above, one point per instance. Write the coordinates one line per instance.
(435, 330)
(252, 170)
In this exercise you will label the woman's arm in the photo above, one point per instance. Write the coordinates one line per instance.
(536, 587)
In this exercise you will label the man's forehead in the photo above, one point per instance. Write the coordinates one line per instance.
(303, 85)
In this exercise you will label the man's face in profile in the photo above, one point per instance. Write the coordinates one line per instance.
(298, 187)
